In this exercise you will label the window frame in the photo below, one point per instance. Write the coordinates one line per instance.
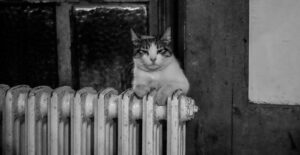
(159, 19)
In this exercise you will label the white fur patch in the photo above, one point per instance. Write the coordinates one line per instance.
(152, 51)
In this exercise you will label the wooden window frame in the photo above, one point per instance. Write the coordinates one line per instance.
(159, 18)
(160, 12)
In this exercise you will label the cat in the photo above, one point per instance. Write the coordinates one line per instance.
(155, 67)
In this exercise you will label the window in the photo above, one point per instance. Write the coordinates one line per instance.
(274, 52)
(75, 43)
(101, 38)
(28, 44)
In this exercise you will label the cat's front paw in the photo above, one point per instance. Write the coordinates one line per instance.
(161, 99)
(163, 94)
(141, 90)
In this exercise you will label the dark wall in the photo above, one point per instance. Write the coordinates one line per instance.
(216, 63)
(208, 64)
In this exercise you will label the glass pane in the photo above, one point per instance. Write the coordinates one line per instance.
(28, 44)
(101, 44)
(274, 52)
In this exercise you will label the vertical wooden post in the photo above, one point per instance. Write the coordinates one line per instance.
(210, 48)
(63, 31)
(153, 20)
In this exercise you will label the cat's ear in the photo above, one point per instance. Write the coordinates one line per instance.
(134, 37)
(166, 37)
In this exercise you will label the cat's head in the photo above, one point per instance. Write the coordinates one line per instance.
(152, 53)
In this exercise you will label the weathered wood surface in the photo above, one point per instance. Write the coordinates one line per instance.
(216, 62)
(208, 61)
(257, 129)
(63, 31)
(260, 129)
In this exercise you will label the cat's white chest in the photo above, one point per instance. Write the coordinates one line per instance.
(154, 76)
(154, 80)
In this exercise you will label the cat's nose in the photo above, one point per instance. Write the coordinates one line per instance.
(153, 59)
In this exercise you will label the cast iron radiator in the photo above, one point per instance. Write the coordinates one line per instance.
(43, 121)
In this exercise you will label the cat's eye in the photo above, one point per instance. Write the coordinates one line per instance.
(141, 51)
(162, 51)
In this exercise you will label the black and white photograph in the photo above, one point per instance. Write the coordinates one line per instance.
(149, 77)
